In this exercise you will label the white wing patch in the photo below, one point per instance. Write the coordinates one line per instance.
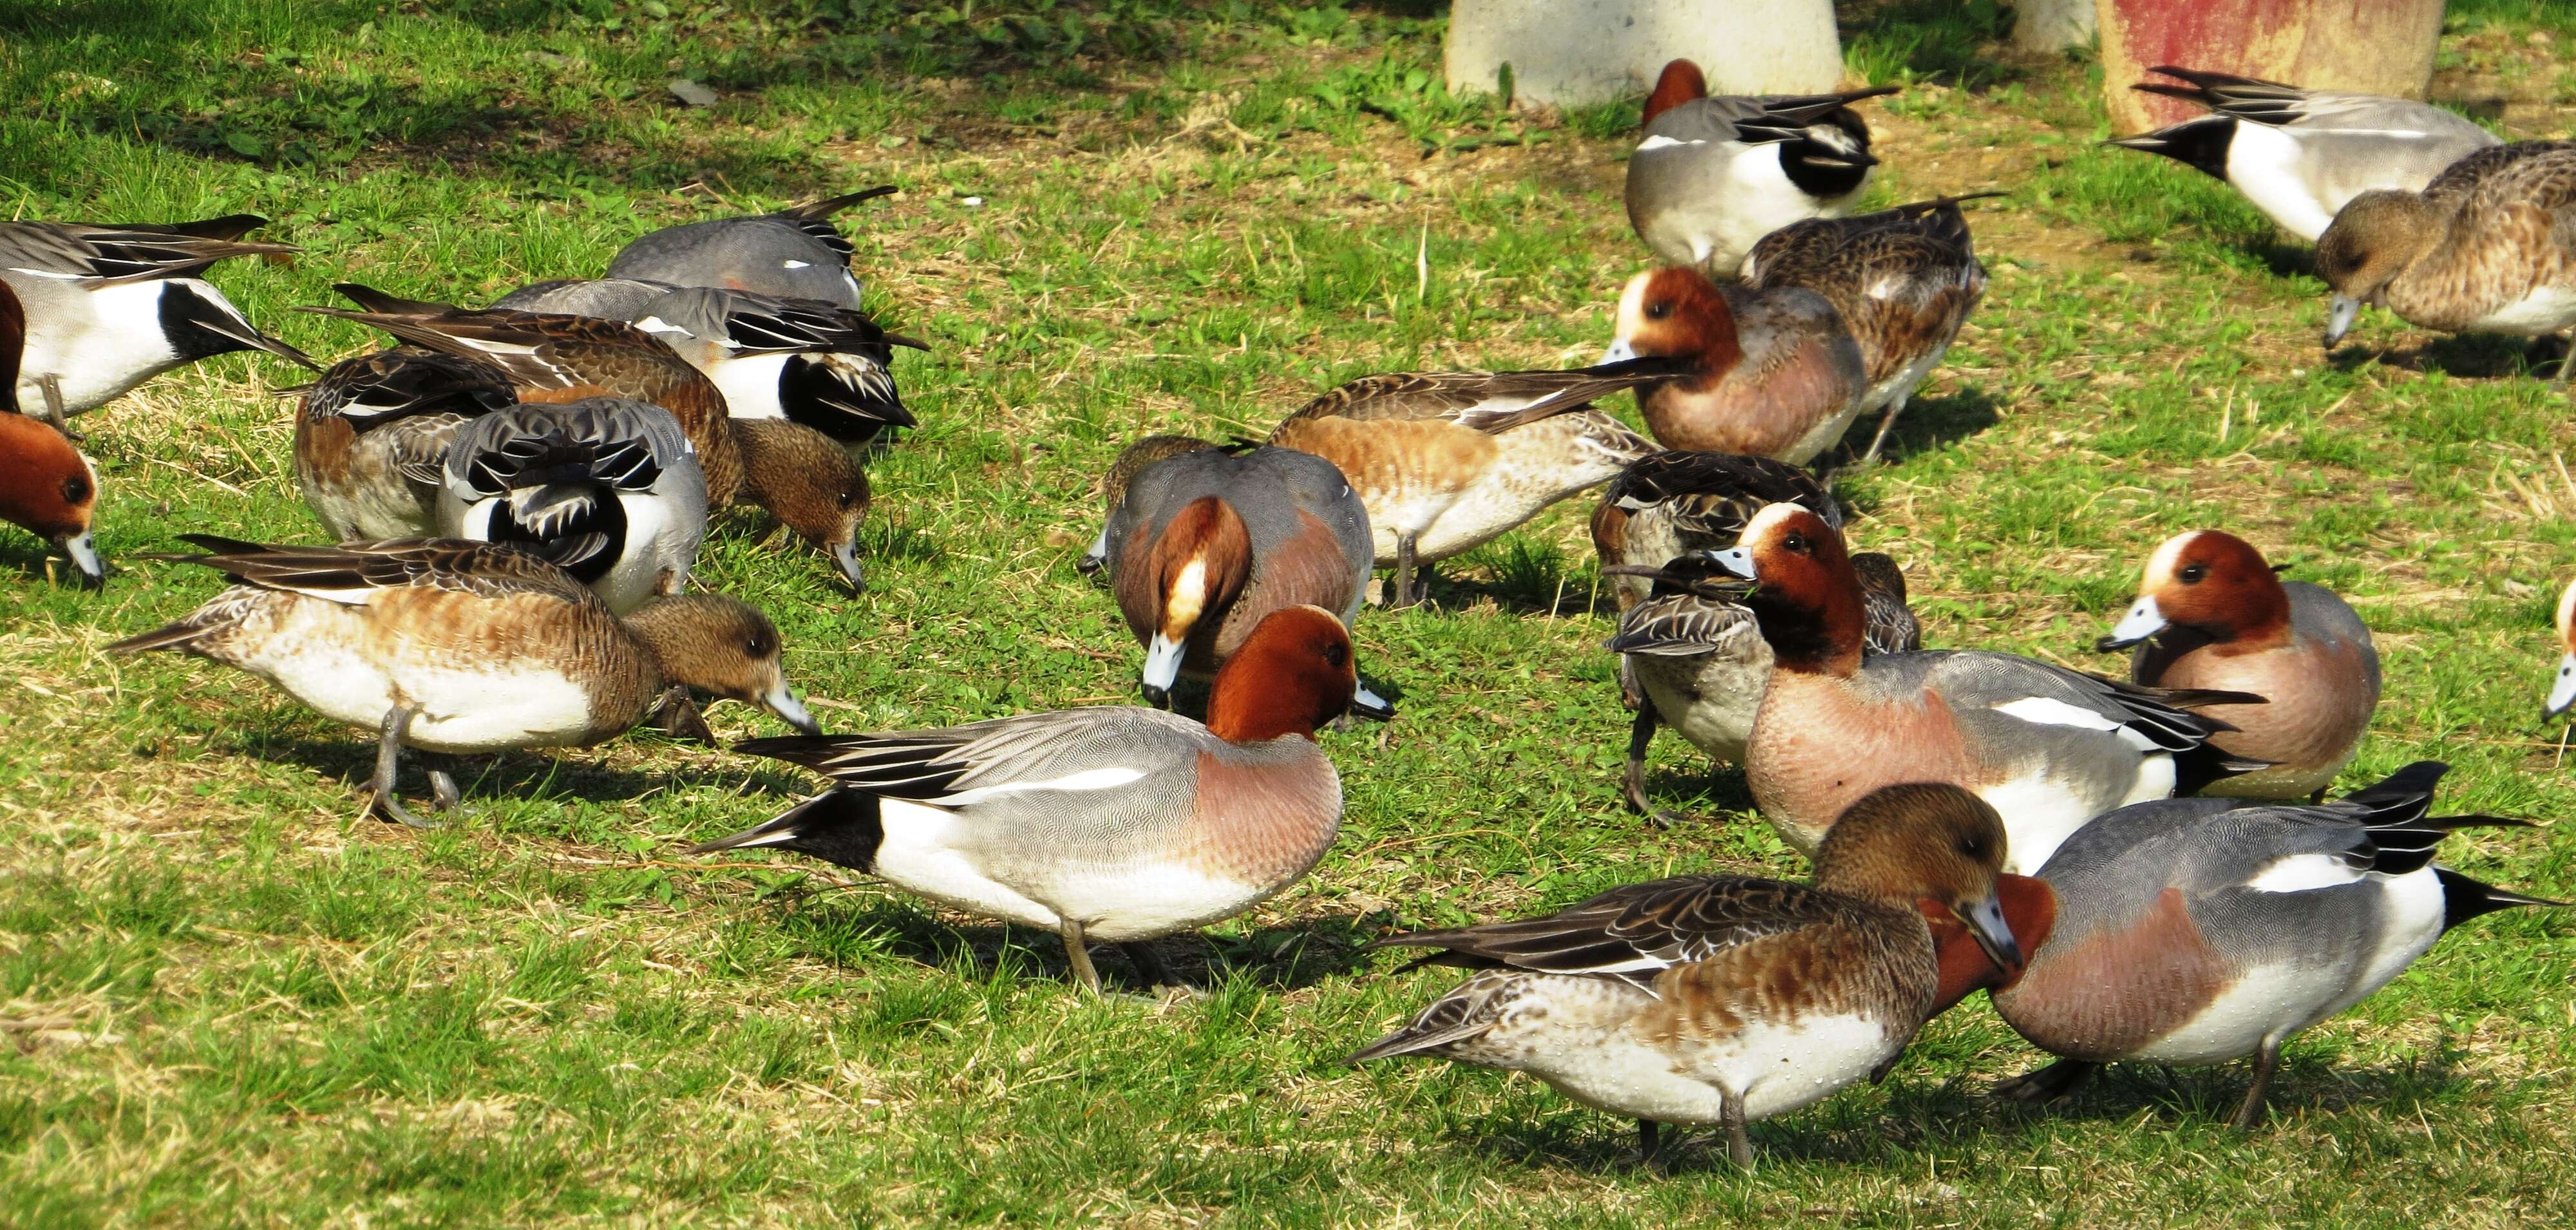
(1652, 144)
(2302, 873)
(1088, 779)
(2043, 711)
(796, 264)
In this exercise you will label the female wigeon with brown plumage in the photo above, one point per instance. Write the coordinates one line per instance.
(2197, 931)
(371, 437)
(1448, 461)
(2051, 748)
(1726, 999)
(45, 483)
(2211, 614)
(1205, 545)
(800, 475)
(1903, 280)
(1113, 823)
(2488, 247)
(464, 647)
(1768, 373)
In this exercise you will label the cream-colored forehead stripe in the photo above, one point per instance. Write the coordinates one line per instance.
(1181, 607)
(1771, 515)
(2160, 566)
(1632, 304)
(2567, 609)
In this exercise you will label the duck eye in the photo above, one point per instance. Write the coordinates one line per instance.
(1973, 847)
(75, 488)
(1338, 655)
(1796, 542)
(2193, 574)
(757, 647)
(1659, 309)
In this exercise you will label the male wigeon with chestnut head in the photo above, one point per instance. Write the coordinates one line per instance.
(2212, 614)
(1712, 175)
(1690, 656)
(2049, 747)
(45, 483)
(1111, 823)
(1768, 373)
(2198, 931)
(1205, 545)
(1726, 999)
(1449, 461)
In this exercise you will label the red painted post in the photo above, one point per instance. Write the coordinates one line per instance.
(2368, 46)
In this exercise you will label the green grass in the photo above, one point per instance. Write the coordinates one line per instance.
(225, 999)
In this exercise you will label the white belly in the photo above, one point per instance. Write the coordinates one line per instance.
(2546, 310)
(750, 385)
(931, 851)
(1709, 700)
(106, 342)
(467, 711)
(2040, 811)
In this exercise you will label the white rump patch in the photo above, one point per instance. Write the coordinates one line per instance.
(2301, 873)
(1089, 779)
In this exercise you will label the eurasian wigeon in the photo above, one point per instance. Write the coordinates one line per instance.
(1773, 373)
(2482, 249)
(604, 488)
(2300, 155)
(1449, 461)
(812, 362)
(1113, 487)
(1690, 656)
(2051, 748)
(2212, 615)
(1113, 823)
(110, 306)
(796, 252)
(1207, 543)
(1903, 280)
(371, 437)
(1726, 999)
(465, 647)
(803, 477)
(2562, 689)
(45, 483)
(2197, 931)
(1712, 175)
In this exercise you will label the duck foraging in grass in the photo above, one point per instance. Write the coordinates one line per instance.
(1727, 999)
(46, 485)
(465, 647)
(2198, 931)
(795, 253)
(1112, 823)
(2488, 247)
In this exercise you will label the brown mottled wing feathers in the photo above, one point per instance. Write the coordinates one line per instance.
(486, 569)
(1637, 932)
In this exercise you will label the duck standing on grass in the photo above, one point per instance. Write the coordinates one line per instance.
(2050, 748)
(2488, 247)
(2212, 615)
(1710, 176)
(1449, 461)
(2198, 931)
(465, 647)
(1726, 999)
(1112, 823)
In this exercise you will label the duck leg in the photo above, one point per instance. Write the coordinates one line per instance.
(1078, 954)
(1730, 1114)
(2266, 1062)
(2566, 359)
(1641, 734)
(443, 794)
(2047, 1084)
(1650, 1143)
(1894, 408)
(388, 757)
(679, 718)
(56, 413)
(1405, 564)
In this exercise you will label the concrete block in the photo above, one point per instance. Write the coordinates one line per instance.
(2053, 25)
(1574, 52)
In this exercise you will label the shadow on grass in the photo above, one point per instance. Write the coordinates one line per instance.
(2473, 355)
(569, 774)
(1928, 424)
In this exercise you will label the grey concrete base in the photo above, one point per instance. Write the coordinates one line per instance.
(2053, 25)
(1573, 52)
